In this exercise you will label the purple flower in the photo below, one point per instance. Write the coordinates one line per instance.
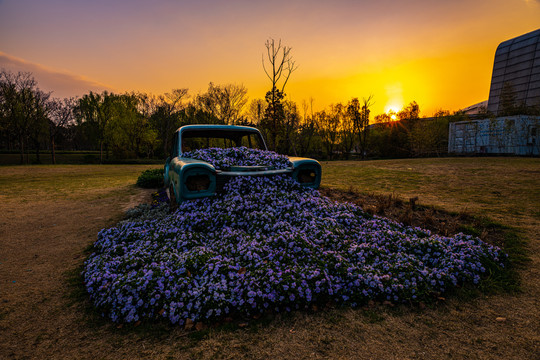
(268, 242)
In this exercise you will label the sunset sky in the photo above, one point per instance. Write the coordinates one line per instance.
(437, 53)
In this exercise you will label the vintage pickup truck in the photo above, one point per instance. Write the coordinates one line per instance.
(189, 178)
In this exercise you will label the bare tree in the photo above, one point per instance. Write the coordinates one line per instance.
(307, 127)
(291, 124)
(328, 126)
(279, 69)
(256, 110)
(96, 109)
(173, 100)
(22, 107)
(61, 115)
(165, 115)
(225, 102)
(347, 130)
(359, 113)
(280, 61)
(38, 118)
(147, 104)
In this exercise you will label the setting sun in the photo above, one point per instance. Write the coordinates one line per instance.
(392, 108)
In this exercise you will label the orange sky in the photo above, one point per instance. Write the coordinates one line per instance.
(437, 53)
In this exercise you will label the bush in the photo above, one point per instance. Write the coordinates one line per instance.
(151, 179)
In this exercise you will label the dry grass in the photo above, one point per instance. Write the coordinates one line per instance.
(502, 188)
(50, 215)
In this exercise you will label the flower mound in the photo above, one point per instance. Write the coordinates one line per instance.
(239, 156)
(268, 244)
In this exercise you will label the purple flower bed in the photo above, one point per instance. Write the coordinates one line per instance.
(269, 244)
(239, 156)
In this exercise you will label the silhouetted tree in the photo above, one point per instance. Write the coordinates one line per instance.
(61, 114)
(328, 127)
(307, 128)
(166, 118)
(291, 123)
(225, 102)
(279, 69)
(347, 130)
(95, 109)
(256, 110)
(385, 117)
(22, 108)
(274, 116)
(37, 131)
(359, 113)
(411, 111)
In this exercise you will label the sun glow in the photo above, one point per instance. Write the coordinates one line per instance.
(392, 108)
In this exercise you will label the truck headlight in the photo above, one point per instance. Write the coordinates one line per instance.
(308, 175)
(198, 182)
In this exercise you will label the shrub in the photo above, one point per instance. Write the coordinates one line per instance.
(151, 179)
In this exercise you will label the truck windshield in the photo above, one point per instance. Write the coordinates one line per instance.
(203, 139)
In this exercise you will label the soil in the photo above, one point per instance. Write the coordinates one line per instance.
(43, 243)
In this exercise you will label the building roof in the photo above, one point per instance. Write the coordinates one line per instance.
(475, 109)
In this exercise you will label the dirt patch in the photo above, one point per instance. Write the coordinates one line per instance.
(141, 196)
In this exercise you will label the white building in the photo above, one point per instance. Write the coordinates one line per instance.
(513, 135)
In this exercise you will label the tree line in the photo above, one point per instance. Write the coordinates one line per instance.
(140, 125)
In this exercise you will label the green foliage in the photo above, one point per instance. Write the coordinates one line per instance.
(344, 128)
(151, 179)
(411, 111)
(329, 124)
(390, 139)
(411, 136)
(428, 137)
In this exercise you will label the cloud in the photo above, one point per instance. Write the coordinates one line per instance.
(62, 84)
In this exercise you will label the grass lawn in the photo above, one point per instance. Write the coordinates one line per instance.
(51, 214)
(502, 188)
(75, 182)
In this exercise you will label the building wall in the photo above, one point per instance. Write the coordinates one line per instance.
(517, 61)
(516, 135)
